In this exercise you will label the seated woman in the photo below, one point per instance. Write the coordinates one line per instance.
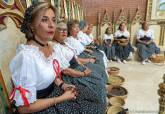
(85, 36)
(38, 89)
(90, 75)
(82, 37)
(145, 44)
(122, 45)
(72, 40)
(93, 43)
(108, 45)
(89, 33)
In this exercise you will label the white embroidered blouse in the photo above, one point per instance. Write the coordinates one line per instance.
(75, 44)
(108, 36)
(84, 38)
(119, 33)
(141, 33)
(32, 71)
(63, 53)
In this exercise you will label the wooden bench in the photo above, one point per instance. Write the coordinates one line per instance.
(5, 106)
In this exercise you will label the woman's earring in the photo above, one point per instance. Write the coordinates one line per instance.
(32, 29)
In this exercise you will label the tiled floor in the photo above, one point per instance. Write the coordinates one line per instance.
(142, 82)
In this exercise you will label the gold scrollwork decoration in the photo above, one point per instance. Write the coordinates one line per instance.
(13, 10)
(106, 19)
(137, 17)
(122, 17)
(20, 6)
(7, 3)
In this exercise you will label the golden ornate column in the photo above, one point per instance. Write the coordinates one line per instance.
(162, 33)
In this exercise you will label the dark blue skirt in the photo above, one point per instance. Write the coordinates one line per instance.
(122, 52)
(109, 51)
(146, 51)
(85, 103)
(96, 81)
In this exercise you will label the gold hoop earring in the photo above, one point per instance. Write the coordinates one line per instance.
(33, 29)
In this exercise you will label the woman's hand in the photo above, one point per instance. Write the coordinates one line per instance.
(90, 47)
(66, 87)
(105, 41)
(146, 43)
(149, 42)
(87, 72)
(92, 60)
(69, 94)
(89, 51)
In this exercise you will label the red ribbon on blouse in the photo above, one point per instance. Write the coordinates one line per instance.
(23, 94)
(57, 69)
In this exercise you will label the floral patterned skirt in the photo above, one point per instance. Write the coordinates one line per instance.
(85, 103)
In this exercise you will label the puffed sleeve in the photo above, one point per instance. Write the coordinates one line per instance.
(60, 58)
(127, 34)
(117, 34)
(104, 37)
(138, 35)
(22, 68)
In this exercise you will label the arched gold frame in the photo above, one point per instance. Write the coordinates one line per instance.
(16, 13)
(156, 20)
(152, 11)
(105, 20)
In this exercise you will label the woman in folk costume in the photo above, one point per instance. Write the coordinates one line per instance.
(108, 45)
(81, 50)
(145, 44)
(38, 88)
(89, 34)
(122, 44)
(82, 37)
(76, 73)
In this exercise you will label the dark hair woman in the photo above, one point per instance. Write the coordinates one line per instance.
(108, 45)
(37, 86)
(90, 77)
(123, 47)
(145, 43)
